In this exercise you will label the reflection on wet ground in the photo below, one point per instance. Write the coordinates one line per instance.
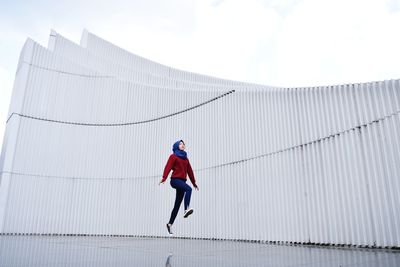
(129, 251)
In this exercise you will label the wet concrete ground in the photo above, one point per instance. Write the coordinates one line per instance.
(129, 251)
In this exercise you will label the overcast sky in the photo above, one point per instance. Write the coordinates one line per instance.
(288, 43)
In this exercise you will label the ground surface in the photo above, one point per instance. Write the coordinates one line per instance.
(125, 251)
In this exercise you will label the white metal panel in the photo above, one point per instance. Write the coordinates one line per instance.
(316, 164)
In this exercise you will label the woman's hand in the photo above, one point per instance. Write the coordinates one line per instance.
(161, 182)
(196, 187)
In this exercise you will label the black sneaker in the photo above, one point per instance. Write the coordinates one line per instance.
(187, 213)
(169, 228)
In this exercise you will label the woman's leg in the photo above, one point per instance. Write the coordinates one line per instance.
(181, 185)
(188, 193)
(178, 201)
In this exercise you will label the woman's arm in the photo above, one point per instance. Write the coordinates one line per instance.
(167, 168)
(191, 176)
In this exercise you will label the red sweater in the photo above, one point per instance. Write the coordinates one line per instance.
(180, 167)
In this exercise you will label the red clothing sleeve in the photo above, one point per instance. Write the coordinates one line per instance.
(191, 174)
(168, 167)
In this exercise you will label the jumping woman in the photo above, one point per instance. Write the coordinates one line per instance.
(180, 165)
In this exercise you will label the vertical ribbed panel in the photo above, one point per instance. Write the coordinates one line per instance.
(91, 128)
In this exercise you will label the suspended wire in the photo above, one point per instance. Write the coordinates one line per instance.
(120, 124)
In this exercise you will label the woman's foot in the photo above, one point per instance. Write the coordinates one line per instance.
(187, 213)
(169, 228)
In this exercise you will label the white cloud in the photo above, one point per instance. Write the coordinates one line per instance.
(393, 5)
(283, 7)
(227, 38)
(325, 42)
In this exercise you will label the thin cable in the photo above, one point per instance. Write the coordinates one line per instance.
(120, 124)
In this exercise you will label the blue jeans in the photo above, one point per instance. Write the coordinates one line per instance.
(182, 190)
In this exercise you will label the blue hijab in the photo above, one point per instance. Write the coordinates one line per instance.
(180, 153)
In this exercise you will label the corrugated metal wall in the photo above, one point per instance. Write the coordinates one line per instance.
(90, 129)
